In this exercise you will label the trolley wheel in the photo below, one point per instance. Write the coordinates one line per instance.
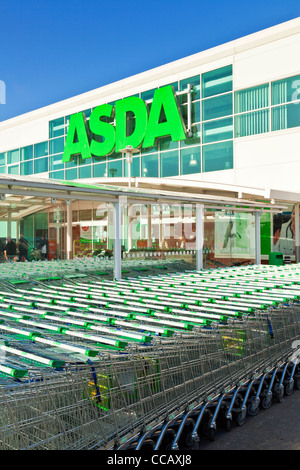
(289, 388)
(252, 410)
(195, 445)
(240, 418)
(148, 445)
(278, 393)
(204, 425)
(212, 434)
(227, 424)
(297, 382)
(266, 403)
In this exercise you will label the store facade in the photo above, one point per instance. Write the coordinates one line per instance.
(228, 115)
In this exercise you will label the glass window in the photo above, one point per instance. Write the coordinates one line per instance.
(71, 174)
(217, 107)
(195, 82)
(55, 162)
(284, 91)
(2, 158)
(3, 169)
(13, 156)
(57, 127)
(41, 149)
(135, 167)
(13, 170)
(27, 153)
(195, 139)
(57, 145)
(115, 168)
(218, 156)
(26, 168)
(251, 98)
(166, 143)
(217, 81)
(57, 175)
(41, 165)
(85, 171)
(190, 160)
(100, 170)
(169, 164)
(252, 123)
(195, 115)
(284, 117)
(222, 129)
(147, 95)
(150, 166)
(72, 163)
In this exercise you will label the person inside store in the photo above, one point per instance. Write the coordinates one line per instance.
(43, 247)
(10, 249)
(23, 248)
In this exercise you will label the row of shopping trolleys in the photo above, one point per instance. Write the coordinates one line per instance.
(50, 325)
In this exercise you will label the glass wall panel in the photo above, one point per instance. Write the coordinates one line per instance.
(217, 81)
(13, 170)
(217, 107)
(85, 171)
(57, 127)
(41, 149)
(115, 168)
(195, 139)
(157, 239)
(135, 170)
(190, 160)
(217, 156)
(169, 164)
(41, 165)
(2, 158)
(252, 123)
(72, 174)
(27, 153)
(284, 91)
(3, 169)
(251, 98)
(222, 129)
(229, 239)
(13, 156)
(285, 117)
(100, 170)
(150, 165)
(195, 83)
(167, 144)
(55, 162)
(195, 115)
(26, 168)
(57, 175)
(57, 145)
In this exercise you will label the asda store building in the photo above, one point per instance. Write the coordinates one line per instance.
(228, 116)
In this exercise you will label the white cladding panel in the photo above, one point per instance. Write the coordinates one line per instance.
(275, 60)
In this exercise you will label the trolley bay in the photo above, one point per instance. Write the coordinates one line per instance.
(151, 362)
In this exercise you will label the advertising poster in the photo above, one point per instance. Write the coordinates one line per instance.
(234, 235)
(284, 232)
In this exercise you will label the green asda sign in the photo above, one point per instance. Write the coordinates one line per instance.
(98, 137)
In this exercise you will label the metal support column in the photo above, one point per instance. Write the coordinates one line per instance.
(257, 238)
(297, 234)
(69, 231)
(117, 241)
(9, 223)
(149, 226)
(199, 236)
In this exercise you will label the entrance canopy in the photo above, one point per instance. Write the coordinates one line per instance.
(193, 223)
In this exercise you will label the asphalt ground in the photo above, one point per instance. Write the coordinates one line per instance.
(277, 428)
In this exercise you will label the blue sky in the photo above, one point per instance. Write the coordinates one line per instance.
(51, 50)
